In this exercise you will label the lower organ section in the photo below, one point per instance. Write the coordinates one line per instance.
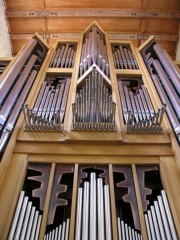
(106, 200)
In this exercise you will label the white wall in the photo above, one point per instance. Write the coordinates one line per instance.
(178, 50)
(5, 46)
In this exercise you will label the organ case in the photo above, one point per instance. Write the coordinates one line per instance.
(101, 155)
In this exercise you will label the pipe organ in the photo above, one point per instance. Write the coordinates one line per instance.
(49, 109)
(139, 114)
(89, 143)
(16, 85)
(123, 57)
(166, 80)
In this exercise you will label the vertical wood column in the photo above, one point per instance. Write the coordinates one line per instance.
(47, 200)
(139, 203)
(73, 205)
(113, 207)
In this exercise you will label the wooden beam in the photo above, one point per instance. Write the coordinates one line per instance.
(93, 13)
(94, 149)
(110, 36)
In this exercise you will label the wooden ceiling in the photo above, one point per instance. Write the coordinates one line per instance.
(120, 19)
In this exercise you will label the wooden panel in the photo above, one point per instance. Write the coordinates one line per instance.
(17, 45)
(26, 25)
(93, 4)
(170, 47)
(163, 4)
(80, 24)
(24, 5)
(52, 42)
(166, 26)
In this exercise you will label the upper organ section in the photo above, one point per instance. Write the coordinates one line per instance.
(88, 84)
(16, 84)
(166, 79)
(94, 51)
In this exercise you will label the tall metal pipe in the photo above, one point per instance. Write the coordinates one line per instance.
(119, 228)
(156, 227)
(147, 226)
(79, 214)
(33, 231)
(38, 227)
(16, 215)
(63, 231)
(67, 229)
(164, 218)
(92, 227)
(30, 223)
(26, 219)
(85, 211)
(107, 213)
(151, 224)
(169, 215)
(100, 209)
(159, 219)
(59, 232)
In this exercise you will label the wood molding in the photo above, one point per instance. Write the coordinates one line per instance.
(110, 36)
(93, 13)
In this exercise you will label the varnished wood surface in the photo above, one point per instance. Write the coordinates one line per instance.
(56, 18)
(87, 147)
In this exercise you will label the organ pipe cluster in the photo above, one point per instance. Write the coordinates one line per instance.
(16, 85)
(27, 220)
(166, 79)
(64, 56)
(28, 214)
(126, 232)
(94, 108)
(159, 221)
(93, 204)
(128, 223)
(94, 51)
(27, 217)
(139, 114)
(93, 215)
(49, 109)
(60, 233)
(123, 57)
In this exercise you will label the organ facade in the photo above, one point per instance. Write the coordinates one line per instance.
(89, 140)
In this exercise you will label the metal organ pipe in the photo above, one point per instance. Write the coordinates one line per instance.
(94, 198)
(138, 112)
(94, 108)
(166, 80)
(26, 221)
(10, 77)
(168, 66)
(94, 52)
(158, 219)
(49, 109)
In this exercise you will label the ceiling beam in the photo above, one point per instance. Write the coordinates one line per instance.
(94, 13)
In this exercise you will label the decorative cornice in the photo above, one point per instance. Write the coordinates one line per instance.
(165, 37)
(94, 13)
(110, 36)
